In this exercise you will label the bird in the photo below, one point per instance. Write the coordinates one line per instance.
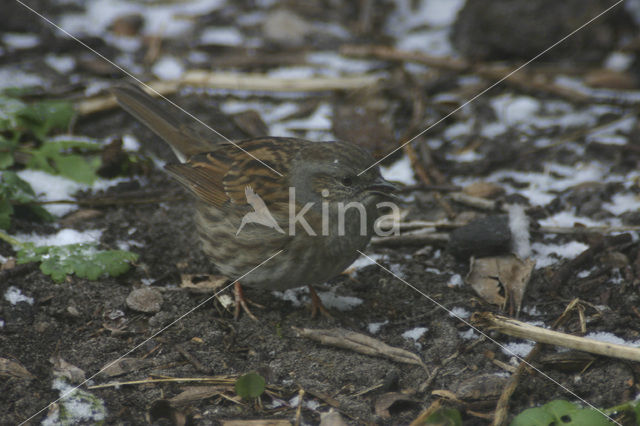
(325, 195)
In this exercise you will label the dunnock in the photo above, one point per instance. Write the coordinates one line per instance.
(246, 212)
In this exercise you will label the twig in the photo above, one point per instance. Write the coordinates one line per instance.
(193, 360)
(502, 407)
(8, 238)
(476, 202)
(521, 80)
(411, 239)
(237, 81)
(222, 380)
(523, 330)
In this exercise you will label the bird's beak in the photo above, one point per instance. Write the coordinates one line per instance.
(382, 187)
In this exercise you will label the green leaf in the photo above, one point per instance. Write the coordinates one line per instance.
(250, 386)
(562, 413)
(77, 168)
(84, 260)
(52, 158)
(6, 210)
(444, 417)
(44, 116)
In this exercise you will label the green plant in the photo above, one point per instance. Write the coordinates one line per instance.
(560, 412)
(250, 386)
(16, 194)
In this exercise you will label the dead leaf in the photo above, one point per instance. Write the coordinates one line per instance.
(482, 387)
(9, 264)
(203, 283)
(359, 343)
(125, 365)
(610, 79)
(197, 393)
(62, 368)
(392, 404)
(500, 278)
(9, 368)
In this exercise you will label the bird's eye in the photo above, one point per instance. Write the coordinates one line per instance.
(347, 181)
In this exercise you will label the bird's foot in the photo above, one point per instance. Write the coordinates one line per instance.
(242, 303)
(316, 305)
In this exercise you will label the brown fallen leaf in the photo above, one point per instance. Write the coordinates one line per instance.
(483, 387)
(197, 393)
(359, 343)
(125, 365)
(64, 369)
(9, 368)
(500, 279)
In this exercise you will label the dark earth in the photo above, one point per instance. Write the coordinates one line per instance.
(88, 323)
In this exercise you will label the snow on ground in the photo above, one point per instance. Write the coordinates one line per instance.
(51, 187)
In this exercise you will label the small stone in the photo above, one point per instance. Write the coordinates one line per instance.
(144, 300)
(284, 26)
(73, 311)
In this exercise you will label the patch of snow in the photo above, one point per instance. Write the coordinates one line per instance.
(62, 237)
(619, 61)
(319, 120)
(543, 252)
(339, 63)
(374, 327)
(222, 36)
(604, 336)
(519, 227)
(518, 349)
(15, 77)
(168, 68)
(415, 333)
(52, 187)
(459, 129)
(400, 171)
(78, 406)
(363, 261)
(20, 40)
(331, 300)
(14, 296)
(456, 280)
(468, 335)
(458, 312)
(130, 143)
(622, 202)
(567, 219)
(169, 19)
(63, 64)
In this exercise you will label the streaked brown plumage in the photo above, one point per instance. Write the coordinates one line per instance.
(219, 173)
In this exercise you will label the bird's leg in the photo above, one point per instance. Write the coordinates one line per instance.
(316, 304)
(241, 302)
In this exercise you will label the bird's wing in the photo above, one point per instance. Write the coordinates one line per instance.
(221, 177)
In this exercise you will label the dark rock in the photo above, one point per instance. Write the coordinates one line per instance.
(488, 236)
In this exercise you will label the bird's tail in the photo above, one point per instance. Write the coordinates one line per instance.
(185, 135)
